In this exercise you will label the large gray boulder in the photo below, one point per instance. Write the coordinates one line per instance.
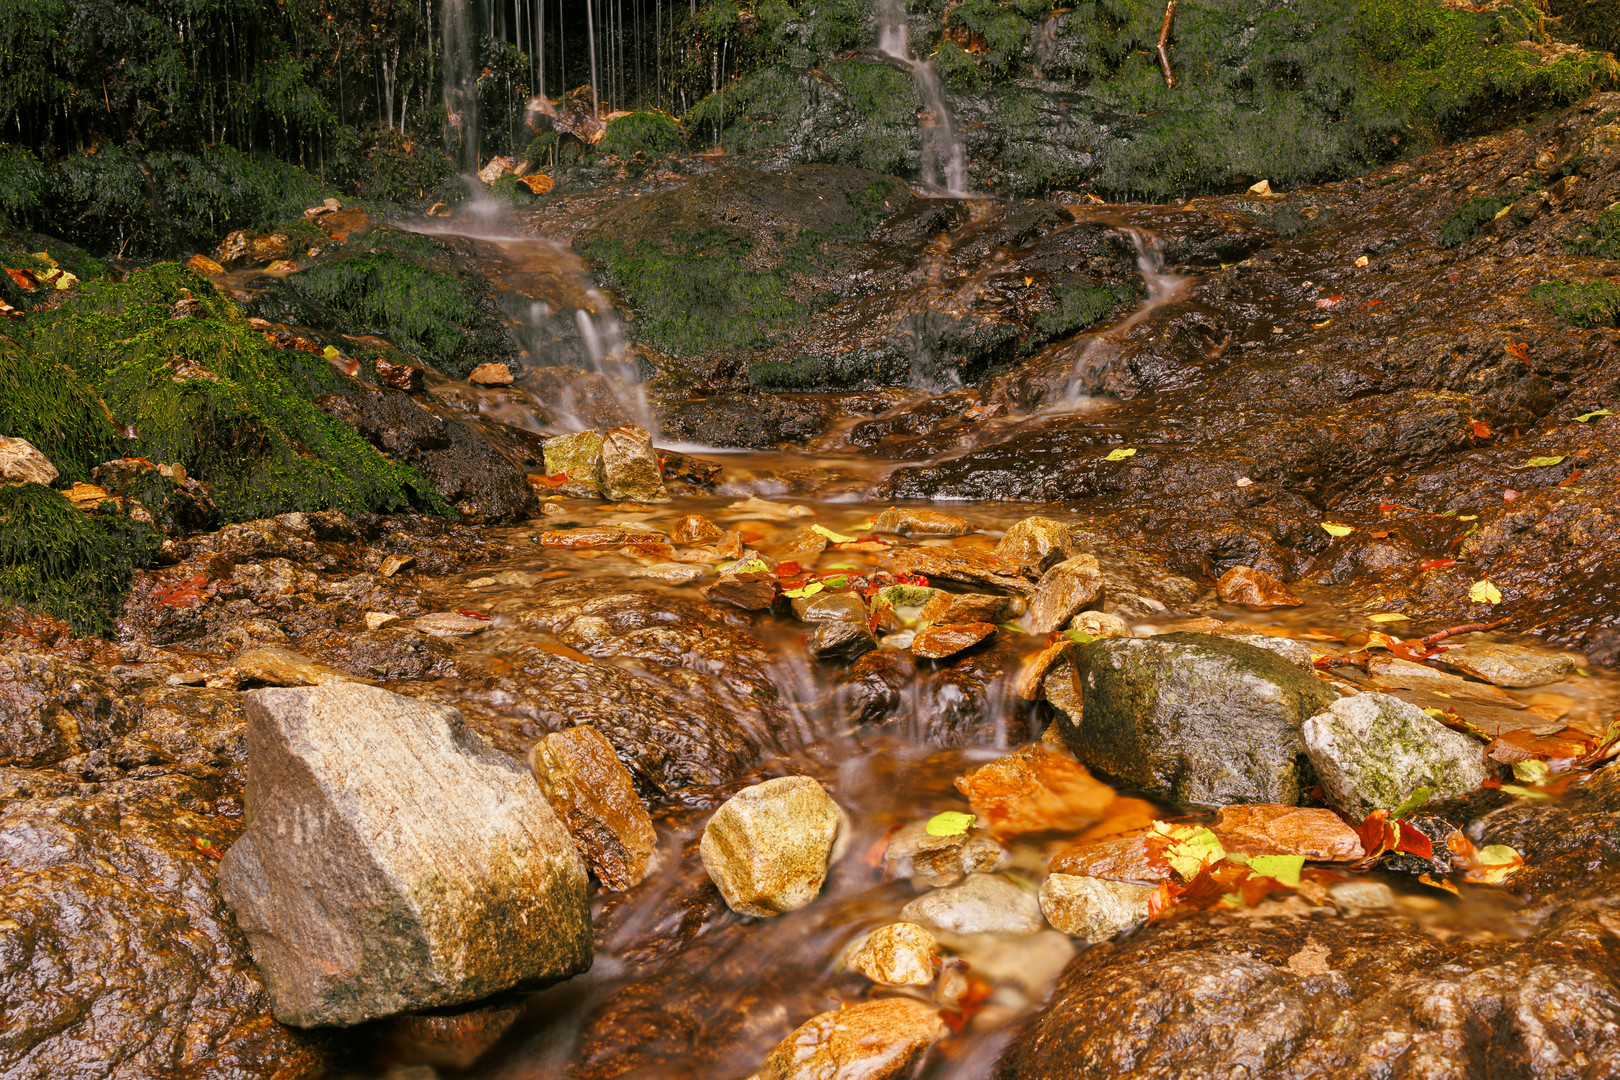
(1373, 750)
(394, 861)
(1194, 717)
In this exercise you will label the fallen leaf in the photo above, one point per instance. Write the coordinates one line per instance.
(1120, 454)
(206, 848)
(1337, 530)
(1519, 350)
(1415, 801)
(1282, 868)
(1390, 616)
(1481, 429)
(1323, 325)
(1587, 418)
(808, 590)
(1541, 462)
(949, 823)
(1329, 301)
(1436, 564)
(832, 537)
(1483, 592)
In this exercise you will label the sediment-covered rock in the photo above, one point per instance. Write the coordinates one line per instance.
(1372, 751)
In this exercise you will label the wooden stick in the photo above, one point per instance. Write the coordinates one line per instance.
(1441, 635)
(1164, 40)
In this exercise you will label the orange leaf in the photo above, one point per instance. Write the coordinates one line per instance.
(1481, 429)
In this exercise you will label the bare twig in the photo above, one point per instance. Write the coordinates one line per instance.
(1164, 42)
(1441, 635)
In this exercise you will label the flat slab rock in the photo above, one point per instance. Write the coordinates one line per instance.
(395, 861)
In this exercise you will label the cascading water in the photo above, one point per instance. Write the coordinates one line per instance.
(461, 83)
(942, 151)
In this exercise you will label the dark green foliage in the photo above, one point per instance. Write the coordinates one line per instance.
(67, 563)
(1471, 217)
(424, 311)
(508, 191)
(700, 296)
(646, 132)
(386, 166)
(1603, 238)
(1002, 34)
(1078, 308)
(22, 184)
(1596, 303)
(1593, 23)
(47, 404)
(207, 391)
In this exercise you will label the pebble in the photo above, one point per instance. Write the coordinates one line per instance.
(900, 954)
(1093, 909)
(981, 904)
(1062, 592)
(920, 523)
(768, 848)
(871, 1040)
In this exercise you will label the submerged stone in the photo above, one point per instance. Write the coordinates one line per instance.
(1509, 665)
(981, 904)
(914, 522)
(395, 861)
(900, 954)
(873, 1040)
(1195, 717)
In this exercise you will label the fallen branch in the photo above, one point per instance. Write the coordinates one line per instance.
(1164, 42)
(1467, 628)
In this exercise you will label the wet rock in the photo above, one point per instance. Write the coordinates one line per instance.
(695, 529)
(247, 248)
(747, 421)
(873, 1040)
(361, 801)
(1039, 543)
(1100, 624)
(900, 954)
(283, 667)
(406, 378)
(947, 607)
(630, 470)
(1193, 716)
(935, 861)
(967, 565)
(498, 167)
(448, 624)
(595, 796)
(202, 264)
(1093, 909)
(748, 592)
(21, 463)
(1361, 894)
(51, 708)
(830, 607)
(1034, 791)
(668, 573)
(841, 640)
(769, 847)
(578, 457)
(1372, 750)
(1393, 673)
(179, 504)
(1062, 591)
(981, 904)
(1254, 589)
(1125, 858)
(1295, 652)
(948, 639)
(1317, 834)
(1509, 665)
(490, 375)
(914, 522)
(871, 688)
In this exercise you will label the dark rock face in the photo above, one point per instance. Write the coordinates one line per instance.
(1195, 717)
(755, 421)
(1291, 995)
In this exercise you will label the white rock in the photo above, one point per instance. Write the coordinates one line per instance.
(981, 904)
(769, 847)
(900, 954)
(1093, 909)
(21, 463)
(1373, 750)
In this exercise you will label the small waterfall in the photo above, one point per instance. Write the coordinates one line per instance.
(942, 151)
(461, 83)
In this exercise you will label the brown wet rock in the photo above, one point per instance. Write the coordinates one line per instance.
(1509, 665)
(595, 797)
(932, 862)
(1126, 858)
(1034, 791)
(1039, 542)
(841, 639)
(899, 954)
(1254, 589)
(1292, 995)
(630, 469)
(274, 666)
(748, 593)
(598, 536)
(52, 709)
(971, 566)
(1093, 909)
(830, 607)
(384, 653)
(1062, 591)
(946, 639)
(403, 377)
(769, 847)
(911, 521)
(871, 688)
(971, 607)
(453, 1037)
(490, 375)
(752, 421)
(694, 529)
(874, 1040)
(1319, 835)
(1393, 673)
(1571, 849)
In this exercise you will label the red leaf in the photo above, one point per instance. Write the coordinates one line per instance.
(1518, 349)
(788, 569)
(1414, 842)
(1481, 429)
(1329, 301)
(1436, 564)
(472, 614)
(206, 848)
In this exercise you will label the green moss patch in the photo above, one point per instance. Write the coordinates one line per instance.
(67, 563)
(1603, 238)
(1471, 217)
(642, 132)
(50, 406)
(1595, 303)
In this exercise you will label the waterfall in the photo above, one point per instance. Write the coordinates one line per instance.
(461, 82)
(942, 151)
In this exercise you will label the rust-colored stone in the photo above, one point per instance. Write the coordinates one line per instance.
(1035, 791)
(593, 793)
(695, 529)
(1125, 859)
(937, 642)
(1254, 589)
(1264, 829)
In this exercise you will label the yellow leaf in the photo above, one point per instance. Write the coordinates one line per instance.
(1283, 868)
(1483, 592)
(1337, 530)
(808, 590)
(1390, 616)
(832, 537)
(1121, 454)
(949, 823)
(1587, 418)
(1541, 462)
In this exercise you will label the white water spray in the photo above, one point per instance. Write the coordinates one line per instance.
(461, 83)
(942, 151)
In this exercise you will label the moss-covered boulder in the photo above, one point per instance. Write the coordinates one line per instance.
(1195, 718)
(1372, 751)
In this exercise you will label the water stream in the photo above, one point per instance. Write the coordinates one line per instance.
(943, 162)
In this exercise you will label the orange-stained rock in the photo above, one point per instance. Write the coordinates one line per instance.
(873, 1040)
(1265, 829)
(1126, 817)
(592, 792)
(491, 375)
(1125, 859)
(947, 640)
(1036, 667)
(1035, 790)
(202, 264)
(968, 565)
(695, 529)
(1254, 589)
(909, 522)
(971, 607)
(597, 536)
(539, 183)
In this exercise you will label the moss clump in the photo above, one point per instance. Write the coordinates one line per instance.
(67, 563)
(1593, 23)
(838, 371)
(1077, 308)
(51, 407)
(1595, 303)
(1603, 238)
(1471, 217)
(23, 183)
(194, 383)
(1000, 35)
(642, 132)
(427, 312)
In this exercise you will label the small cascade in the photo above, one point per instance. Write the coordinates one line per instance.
(942, 150)
(461, 83)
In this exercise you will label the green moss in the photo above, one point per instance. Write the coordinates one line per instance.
(1077, 309)
(1595, 303)
(1001, 33)
(64, 562)
(51, 407)
(425, 311)
(837, 371)
(1593, 23)
(642, 132)
(1603, 238)
(508, 191)
(205, 389)
(1471, 217)
(23, 184)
